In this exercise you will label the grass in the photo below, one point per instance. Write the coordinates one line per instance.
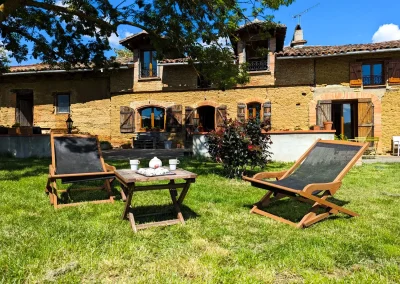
(220, 243)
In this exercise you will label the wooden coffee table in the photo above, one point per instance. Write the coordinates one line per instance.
(128, 180)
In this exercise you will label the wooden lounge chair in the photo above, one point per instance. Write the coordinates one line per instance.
(77, 158)
(316, 176)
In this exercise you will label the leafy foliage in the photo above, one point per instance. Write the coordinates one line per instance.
(240, 145)
(4, 61)
(71, 32)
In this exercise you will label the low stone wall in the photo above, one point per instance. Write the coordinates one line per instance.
(287, 146)
(24, 146)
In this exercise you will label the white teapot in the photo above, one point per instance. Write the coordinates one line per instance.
(155, 163)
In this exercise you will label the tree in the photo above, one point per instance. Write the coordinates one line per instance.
(77, 31)
(4, 61)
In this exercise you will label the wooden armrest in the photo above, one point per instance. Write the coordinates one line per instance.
(109, 168)
(331, 186)
(264, 175)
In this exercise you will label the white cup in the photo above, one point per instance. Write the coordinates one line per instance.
(134, 164)
(173, 163)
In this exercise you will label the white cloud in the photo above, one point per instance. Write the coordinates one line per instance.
(386, 32)
(60, 3)
(114, 40)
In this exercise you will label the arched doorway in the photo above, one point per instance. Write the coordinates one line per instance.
(206, 116)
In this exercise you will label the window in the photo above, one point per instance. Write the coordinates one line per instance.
(148, 64)
(62, 103)
(257, 55)
(152, 117)
(254, 110)
(372, 74)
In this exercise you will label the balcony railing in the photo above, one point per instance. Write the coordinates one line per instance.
(148, 73)
(373, 80)
(260, 65)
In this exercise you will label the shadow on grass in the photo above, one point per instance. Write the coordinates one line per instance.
(294, 210)
(77, 192)
(157, 213)
(14, 169)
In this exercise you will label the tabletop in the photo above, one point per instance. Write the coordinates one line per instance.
(129, 176)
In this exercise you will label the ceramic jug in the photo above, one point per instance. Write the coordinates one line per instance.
(155, 163)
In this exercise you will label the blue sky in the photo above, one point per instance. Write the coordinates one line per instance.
(332, 22)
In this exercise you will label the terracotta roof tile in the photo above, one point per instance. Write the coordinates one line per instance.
(336, 49)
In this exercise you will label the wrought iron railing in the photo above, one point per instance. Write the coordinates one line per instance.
(373, 80)
(259, 65)
(147, 73)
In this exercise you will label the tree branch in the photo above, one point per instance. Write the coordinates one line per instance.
(59, 9)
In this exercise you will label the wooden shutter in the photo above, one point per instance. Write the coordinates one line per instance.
(127, 119)
(189, 114)
(174, 118)
(241, 111)
(324, 112)
(267, 114)
(394, 72)
(355, 74)
(220, 115)
(365, 118)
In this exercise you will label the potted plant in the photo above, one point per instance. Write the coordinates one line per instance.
(15, 129)
(315, 127)
(328, 125)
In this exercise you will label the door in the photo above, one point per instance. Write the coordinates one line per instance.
(365, 118)
(24, 109)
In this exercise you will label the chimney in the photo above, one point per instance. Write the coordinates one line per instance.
(298, 40)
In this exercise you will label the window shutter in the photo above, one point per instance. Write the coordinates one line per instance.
(221, 115)
(355, 74)
(189, 112)
(267, 114)
(241, 111)
(174, 118)
(324, 112)
(365, 118)
(127, 119)
(394, 72)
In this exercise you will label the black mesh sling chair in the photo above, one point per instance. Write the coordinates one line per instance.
(316, 176)
(74, 159)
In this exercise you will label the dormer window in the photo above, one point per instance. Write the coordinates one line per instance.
(257, 55)
(148, 64)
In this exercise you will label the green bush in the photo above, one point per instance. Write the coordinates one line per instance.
(239, 145)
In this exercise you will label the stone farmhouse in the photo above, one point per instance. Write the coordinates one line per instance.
(356, 86)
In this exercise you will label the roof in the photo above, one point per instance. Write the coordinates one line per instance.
(143, 32)
(336, 50)
(256, 22)
(47, 68)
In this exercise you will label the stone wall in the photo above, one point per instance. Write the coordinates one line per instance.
(390, 118)
(284, 101)
(89, 99)
(289, 72)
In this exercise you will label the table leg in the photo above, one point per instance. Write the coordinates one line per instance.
(173, 193)
(128, 201)
(184, 192)
(132, 221)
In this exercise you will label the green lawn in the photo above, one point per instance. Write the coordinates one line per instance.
(220, 243)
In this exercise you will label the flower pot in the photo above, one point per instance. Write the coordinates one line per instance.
(316, 127)
(328, 125)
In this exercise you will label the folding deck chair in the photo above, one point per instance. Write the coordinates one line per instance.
(77, 158)
(316, 176)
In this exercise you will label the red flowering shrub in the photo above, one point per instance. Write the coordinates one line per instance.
(239, 145)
